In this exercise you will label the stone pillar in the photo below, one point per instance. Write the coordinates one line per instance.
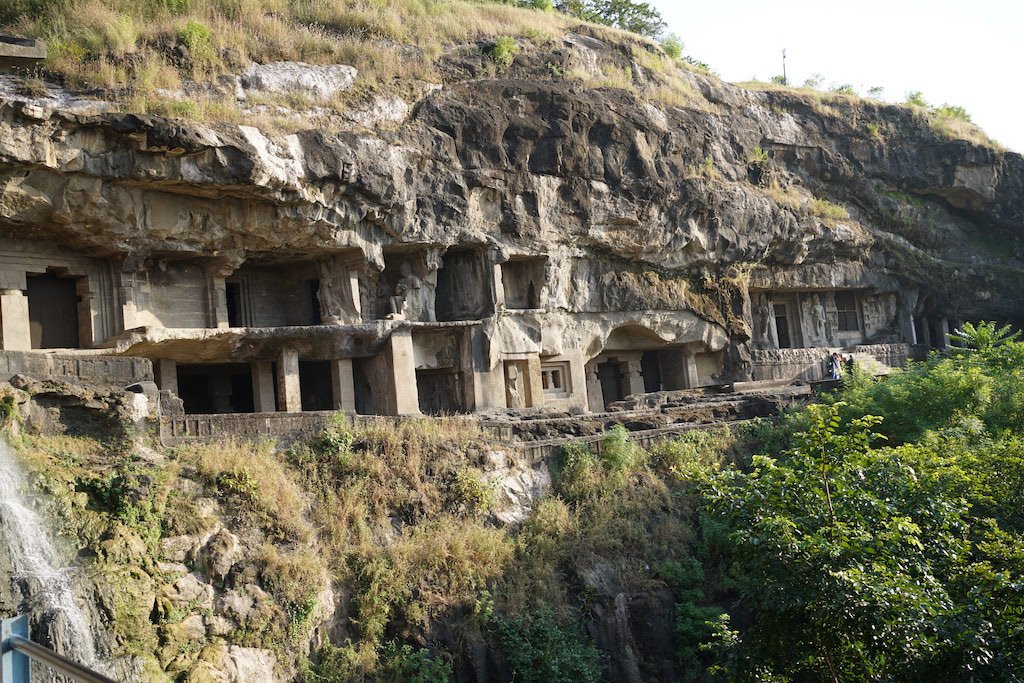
(263, 386)
(403, 373)
(943, 336)
(690, 365)
(433, 262)
(14, 322)
(908, 328)
(167, 375)
(495, 258)
(595, 397)
(357, 301)
(127, 291)
(343, 388)
(532, 382)
(926, 332)
(289, 395)
(86, 301)
(632, 380)
(217, 302)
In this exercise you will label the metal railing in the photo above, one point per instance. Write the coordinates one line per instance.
(18, 652)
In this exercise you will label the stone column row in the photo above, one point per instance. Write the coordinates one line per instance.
(288, 394)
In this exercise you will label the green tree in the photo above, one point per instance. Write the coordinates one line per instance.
(672, 46)
(828, 550)
(628, 15)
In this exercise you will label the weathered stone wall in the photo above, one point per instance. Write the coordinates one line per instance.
(784, 364)
(89, 368)
(284, 427)
(893, 355)
(810, 364)
(173, 294)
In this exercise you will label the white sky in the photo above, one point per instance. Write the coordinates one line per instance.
(962, 52)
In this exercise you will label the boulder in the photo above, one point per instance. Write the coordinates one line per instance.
(318, 81)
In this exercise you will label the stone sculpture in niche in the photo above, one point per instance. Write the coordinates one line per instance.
(335, 296)
(329, 294)
(408, 301)
(818, 318)
(514, 395)
(762, 323)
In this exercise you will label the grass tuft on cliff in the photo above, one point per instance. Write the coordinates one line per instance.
(145, 56)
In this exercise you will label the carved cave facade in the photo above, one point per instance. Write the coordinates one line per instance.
(424, 328)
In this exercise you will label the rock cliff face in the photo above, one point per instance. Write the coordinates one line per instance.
(785, 188)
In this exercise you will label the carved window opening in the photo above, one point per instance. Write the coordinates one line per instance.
(554, 379)
(238, 303)
(848, 319)
(522, 280)
(463, 286)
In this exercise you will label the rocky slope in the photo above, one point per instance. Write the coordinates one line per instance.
(387, 552)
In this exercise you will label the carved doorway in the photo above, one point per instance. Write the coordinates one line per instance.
(610, 375)
(53, 312)
(785, 329)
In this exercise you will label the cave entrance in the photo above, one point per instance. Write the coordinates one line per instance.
(273, 295)
(53, 311)
(315, 385)
(650, 369)
(216, 388)
(609, 373)
(784, 325)
(363, 387)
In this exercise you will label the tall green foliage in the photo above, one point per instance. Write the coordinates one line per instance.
(849, 558)
(629, 15)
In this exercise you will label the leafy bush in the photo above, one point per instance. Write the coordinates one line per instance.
(815, 81)
(198, 39)
(471, 494)
(579, 470)
(673, 47)
(953, 112)
(916, 98)
(405, 664)
(758, 156)
(539, 649)
(618, 452)
(682, 455)
(503, 51)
